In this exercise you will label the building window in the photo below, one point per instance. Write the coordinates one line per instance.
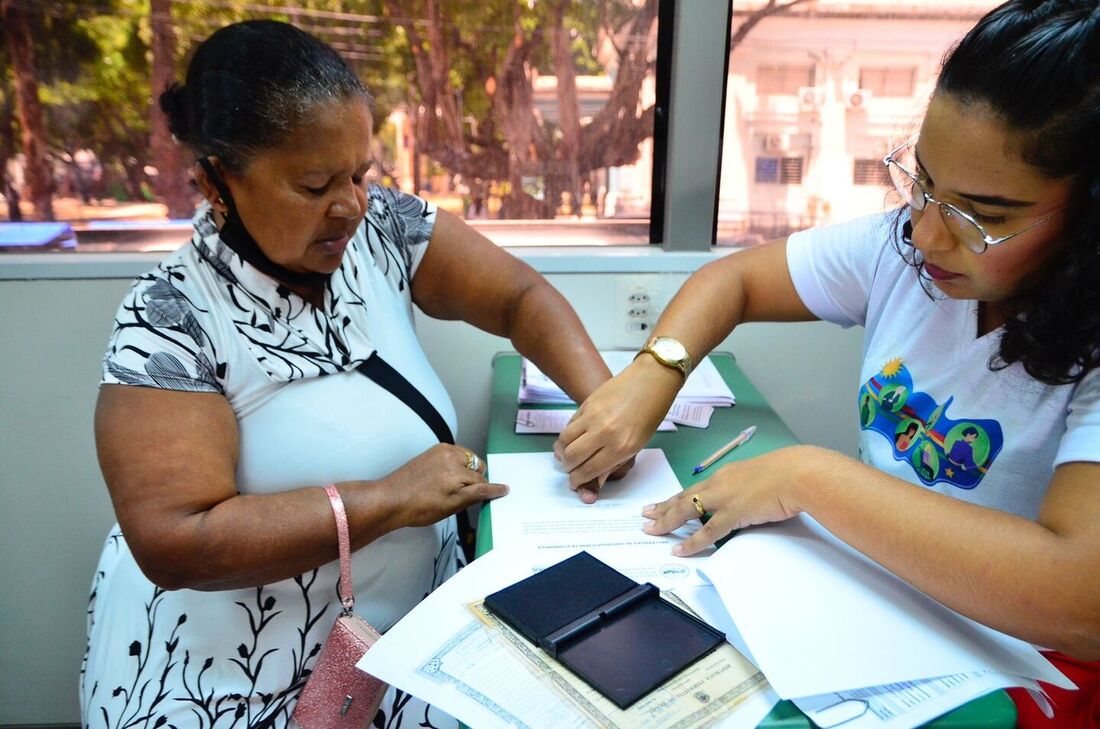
(870, 172)
(780, 63)
(584, 172)
(785, 80)
(888, 81)
(779, 170)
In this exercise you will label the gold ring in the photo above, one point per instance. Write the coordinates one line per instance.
(472, 461)
(697, 502)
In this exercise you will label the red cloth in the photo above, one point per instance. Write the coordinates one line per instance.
(1078, 709)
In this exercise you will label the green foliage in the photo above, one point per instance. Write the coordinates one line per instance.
(94, 59)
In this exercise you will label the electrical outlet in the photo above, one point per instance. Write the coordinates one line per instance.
(638, 302)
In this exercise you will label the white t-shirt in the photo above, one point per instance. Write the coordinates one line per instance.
(931, 411)
(206, 321)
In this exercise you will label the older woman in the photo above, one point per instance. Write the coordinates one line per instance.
(271, 356)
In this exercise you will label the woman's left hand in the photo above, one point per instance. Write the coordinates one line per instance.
(756, 491)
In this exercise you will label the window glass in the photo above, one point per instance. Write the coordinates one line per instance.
(888, 81)
(817, 93)
(870, 172)
(779, 170)
(787, 80)
(533, 120)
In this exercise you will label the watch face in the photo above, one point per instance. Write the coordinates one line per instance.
(669, 349)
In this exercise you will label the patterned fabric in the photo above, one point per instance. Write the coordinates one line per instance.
(206, 321)
(931, 411)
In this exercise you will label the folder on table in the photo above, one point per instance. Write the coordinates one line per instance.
(617, 635)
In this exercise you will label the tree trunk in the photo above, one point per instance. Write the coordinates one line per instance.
(439, 132)
(171, 182)
(7, 151)
(613, 137)
(39, 175)
(514, 112)
(566, 175)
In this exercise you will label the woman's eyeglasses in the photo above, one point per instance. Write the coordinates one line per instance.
(963, 226)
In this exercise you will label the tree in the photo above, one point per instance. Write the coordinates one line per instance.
(171, 182)
(466, 65)
(469, 66)
(768, 8)
(29, 108)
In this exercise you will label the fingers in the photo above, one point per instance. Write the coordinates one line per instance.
(470, 460)
(622, 469)
(598, 465)
(474, 485)
(568, 434)
(590, 492)
(578, 450)
(673, 513)
(485, 491)
(669, 515)
(710, 532)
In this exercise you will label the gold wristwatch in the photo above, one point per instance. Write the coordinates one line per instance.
(669, 352)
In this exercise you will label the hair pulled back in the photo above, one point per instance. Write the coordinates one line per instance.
(1035, 66)
(249, 86)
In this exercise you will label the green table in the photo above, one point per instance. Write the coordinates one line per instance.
(685, 448)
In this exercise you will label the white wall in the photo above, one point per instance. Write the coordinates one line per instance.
(54, 508)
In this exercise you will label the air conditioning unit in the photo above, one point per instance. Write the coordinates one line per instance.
(774, 143)
(810, 97)
(858, 98)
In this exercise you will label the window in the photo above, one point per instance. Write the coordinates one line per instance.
(888, 81)
(800, 145)
(785, 80)
(583, 118)
(870, 172)
(779, 170)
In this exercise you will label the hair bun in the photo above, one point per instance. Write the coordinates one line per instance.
(173, 102)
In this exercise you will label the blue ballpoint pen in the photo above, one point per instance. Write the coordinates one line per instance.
(742, 438)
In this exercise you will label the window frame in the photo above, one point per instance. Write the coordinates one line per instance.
(695, 124)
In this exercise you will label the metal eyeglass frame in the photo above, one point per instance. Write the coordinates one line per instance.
(947, 210)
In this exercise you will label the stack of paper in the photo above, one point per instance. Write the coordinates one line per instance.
(847, 641)
(857, 644)
(443, 654)
(704, 386)
(466, 667)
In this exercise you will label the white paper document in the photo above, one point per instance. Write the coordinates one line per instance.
(704, 385)
(554, 421)
(542, 513)
(794, 590)
(695, 415)
(904, 705)
(440, 653)
(893, 706)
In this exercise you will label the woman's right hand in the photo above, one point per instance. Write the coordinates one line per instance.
(438, 483)
(614, 423)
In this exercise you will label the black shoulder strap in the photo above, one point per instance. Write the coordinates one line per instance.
(395, 383)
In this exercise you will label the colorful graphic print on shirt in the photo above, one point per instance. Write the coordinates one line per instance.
(938, 448)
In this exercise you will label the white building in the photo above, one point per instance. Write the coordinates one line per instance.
(816, 97)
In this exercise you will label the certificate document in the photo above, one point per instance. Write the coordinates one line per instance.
(698, 696)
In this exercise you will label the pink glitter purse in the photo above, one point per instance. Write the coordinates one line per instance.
(337, 693)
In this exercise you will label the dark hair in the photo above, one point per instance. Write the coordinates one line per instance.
(1035, 66)
(969, 430)
(249, 85)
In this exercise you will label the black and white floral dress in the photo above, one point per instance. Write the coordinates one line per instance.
(206, 321)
